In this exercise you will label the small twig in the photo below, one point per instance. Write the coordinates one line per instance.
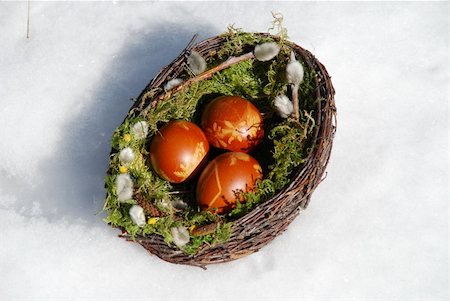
(180, 192)
(192, 41)
(295, 76)
(28, 19)
(295, 102)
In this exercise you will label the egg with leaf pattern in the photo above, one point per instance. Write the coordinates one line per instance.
(232, 123)
(224, 178)
(177, 150)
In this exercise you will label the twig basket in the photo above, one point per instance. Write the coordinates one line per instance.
(270, 218)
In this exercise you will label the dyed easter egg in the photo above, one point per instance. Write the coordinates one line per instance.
(225, 176)
(177, 150)
(232, 123)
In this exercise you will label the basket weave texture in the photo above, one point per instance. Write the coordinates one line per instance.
(270, 218)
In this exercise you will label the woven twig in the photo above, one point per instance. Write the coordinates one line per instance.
(269, 219)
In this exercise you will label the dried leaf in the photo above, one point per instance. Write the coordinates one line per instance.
(205, 230)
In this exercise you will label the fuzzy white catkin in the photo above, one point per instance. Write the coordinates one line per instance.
(166, 204)
(172, 83)
(196, 62)
(140, 129)
(137, 215)
(294, 71)
(180, 236)
(283, 106)
(126, 155)
(266, 51)
(179, 204)
(124, 187)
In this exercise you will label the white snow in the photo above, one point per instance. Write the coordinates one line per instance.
(376, 228)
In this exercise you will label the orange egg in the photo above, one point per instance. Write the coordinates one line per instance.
(232, 123)
(223, 178)
(177, 149)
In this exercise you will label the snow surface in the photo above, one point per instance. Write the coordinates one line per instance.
(376, 229)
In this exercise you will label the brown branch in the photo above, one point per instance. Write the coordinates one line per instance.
(28, 19)
(205, 75)
(295, 103)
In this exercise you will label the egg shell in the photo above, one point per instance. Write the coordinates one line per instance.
(232, 123)
(225, 176)
(177, 150)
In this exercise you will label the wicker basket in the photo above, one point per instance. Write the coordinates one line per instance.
(269, 219)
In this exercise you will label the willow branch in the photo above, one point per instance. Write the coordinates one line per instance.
(202, 76)
(295, 102)
(28, 19)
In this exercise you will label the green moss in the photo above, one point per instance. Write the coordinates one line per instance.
(237, 42)
(282, 152)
